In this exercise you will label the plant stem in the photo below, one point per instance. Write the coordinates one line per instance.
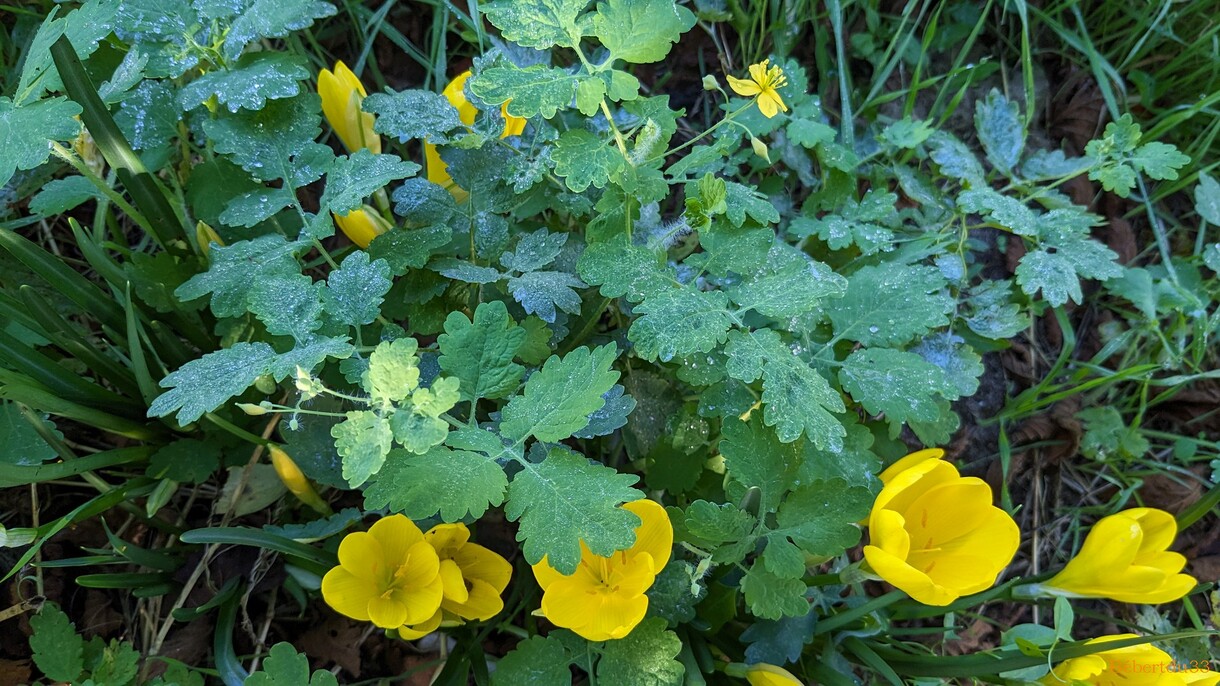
(848, 616)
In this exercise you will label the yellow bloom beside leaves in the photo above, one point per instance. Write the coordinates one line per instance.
(363, 225)
(456, 94)
(389, 576)
(342, 94)
(763, 82)
(763, 674)
(604, 599)
(473, 576)
(934, 533)
(1125, 557)
(1139, 665)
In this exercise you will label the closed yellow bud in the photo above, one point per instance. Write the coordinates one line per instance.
(362, 225)
(206, 236)
(342, 94)
(295, 480)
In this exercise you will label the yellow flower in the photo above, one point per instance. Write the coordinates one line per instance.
(205, 236)
(474, 577)
(295, 480)
(388, 575)
(1125, 557)
(935, 534)
(362, 225)
(764, 82)
(342, 94)
(456, 94)
(1139, 665)
(763, 674)
(604, 599)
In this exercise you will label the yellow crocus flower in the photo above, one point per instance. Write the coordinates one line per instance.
(389, 576)
(604, 598)
(456, 94)
(342, 94)
(362, 225)
(934, 533)
(473, 576)
(1125, 557)
(295, 480)
(763, 82)
(763, 674)
(1138, 665)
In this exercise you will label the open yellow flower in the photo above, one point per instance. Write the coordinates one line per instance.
(389, 576)
(342, 94)
(1139, 665)
(474, 577)
(934, 533)
(455, 92)
(363, 225)
(604, 599)
(763, 674)
(763, 82)
(1125, 557)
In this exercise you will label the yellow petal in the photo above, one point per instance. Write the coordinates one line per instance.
(362, 556)
(421, 601)
(763, 674)
(348, 594)
(545, 574)
(348, 78)
(634, 576)
(410, 632)
(758, 72)
(619, 614)
(361, 226)
(483, 602)
(887, 531)
(1159, 527)
(903, 576)
(743, 87)
(420, 566)
(905, 487)
(397, 535)
(387, 613)
(513, 126)
(1110, 546)
(481, 564)
(453, 583)
(447, 539)
(570, 604)
(909, 461)
(456, 94)
(655, 534)
(770, 104)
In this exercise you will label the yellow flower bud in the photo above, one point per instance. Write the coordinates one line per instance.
(205, 236)
(295, 480)
(342, 94)
(362, 225)
(455, 93)
(763, 674)
(1126, 557)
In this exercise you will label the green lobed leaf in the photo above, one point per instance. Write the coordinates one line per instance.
(680, 321)
(1207, 199)
(1159, 161)
(790, 285)
(645, 657)
(746, 201)
(611, 416)
(20, 443)
(542, 293)
(558, 399)
(955, 158)
(455, 483)
(960, 363)
(582, 159)
(537, 24)
(640, 31)
(1000, 130)
(57, 649)
(565, 500)
(291, 306)
(355, 290)
(534, 250)
(352, 179)
(772, 597)
(1006, 211)
(901, 385)
(249, 82)
(407, 249)
(61, 195)
(393, 371)
(623, 270)
(419, 427)
(532, 91)
(284, 666)
(891, 304)
(363, 441)
(535, 660)
(275, 142)
(414, 114)
(203, 384)
(819, 519)
(26, 131)
(480, 352)
(754, 456)
(272, 19)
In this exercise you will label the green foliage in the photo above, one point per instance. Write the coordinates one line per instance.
(58, 651)
(557, 401)
(1119, 157)
(284, 666)
(536, 660)
(480, 353)
(645, 657)
(28, 130)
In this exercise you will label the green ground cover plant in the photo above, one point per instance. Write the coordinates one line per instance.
(618, 342)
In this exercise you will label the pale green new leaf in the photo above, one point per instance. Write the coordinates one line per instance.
(363, 440)
(534, 90)
(537, 24)
(891, 304)
(901, 385)
(640, 31)
(559, 398)
(26, 132)
(414, 114)
(583, 159)
(645, 657)
(455, 483)
(202, 384)
(1159, 161)
(352, 179)
(393, 370)
(284, 666)
(480, 353)
(565, 500)
(249, 83)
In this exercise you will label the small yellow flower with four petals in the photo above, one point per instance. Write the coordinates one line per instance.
(764, 83)
(604, 599)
